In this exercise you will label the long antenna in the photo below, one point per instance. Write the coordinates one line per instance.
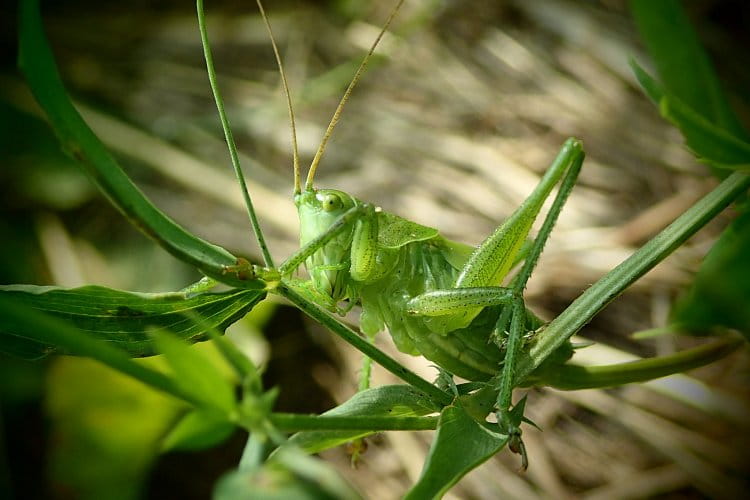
(345, 98)
(285, 84)
(228, 135)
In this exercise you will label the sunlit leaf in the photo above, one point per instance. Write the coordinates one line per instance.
(288, 474)
(383, 401)
(105, 429)
(197, 430)
(461, 444)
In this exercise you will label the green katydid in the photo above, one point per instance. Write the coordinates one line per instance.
(437, 298)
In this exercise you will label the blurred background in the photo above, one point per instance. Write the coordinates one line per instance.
(464, 106)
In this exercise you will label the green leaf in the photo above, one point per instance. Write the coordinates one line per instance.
(709, 142)
(243, 366)
(461, 444)
(395, 231)
(691, 98)
(37, 63)
(383, 401)
(720, 294)
(122, 318)
(19, 317)
(288, 474)
(197, 430)
(681, 62)
(196, 375)
(106, 429)
(20, 347)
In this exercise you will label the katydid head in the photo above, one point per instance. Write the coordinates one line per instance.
(329, 266)
(319, 209)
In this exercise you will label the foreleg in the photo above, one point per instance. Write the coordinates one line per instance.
(339, 225)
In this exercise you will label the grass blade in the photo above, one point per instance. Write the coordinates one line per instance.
(37, 63)
(601, 293)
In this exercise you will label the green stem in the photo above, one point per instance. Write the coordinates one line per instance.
(255, 452)
(368, 349)
(292, 422)
(228, 136)
(601, 293)
(574, 377)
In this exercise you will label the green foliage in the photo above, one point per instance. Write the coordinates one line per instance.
(122, 319)
(721, 290)
(681, 62)
(197, 430)
(18, 317)
(288, 474)
(390, 401)
(461, 444)
(196, 375)
(710, 143)
(690, 97)
(106, 429)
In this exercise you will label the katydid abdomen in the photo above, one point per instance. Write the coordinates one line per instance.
(421, 268)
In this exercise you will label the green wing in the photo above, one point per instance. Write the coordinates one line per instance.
(395, 231)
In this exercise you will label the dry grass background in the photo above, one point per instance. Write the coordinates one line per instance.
(464, 107)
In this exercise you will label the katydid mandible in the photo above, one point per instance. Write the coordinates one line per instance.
(438, 298)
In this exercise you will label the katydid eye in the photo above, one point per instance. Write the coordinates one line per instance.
(330, 202)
